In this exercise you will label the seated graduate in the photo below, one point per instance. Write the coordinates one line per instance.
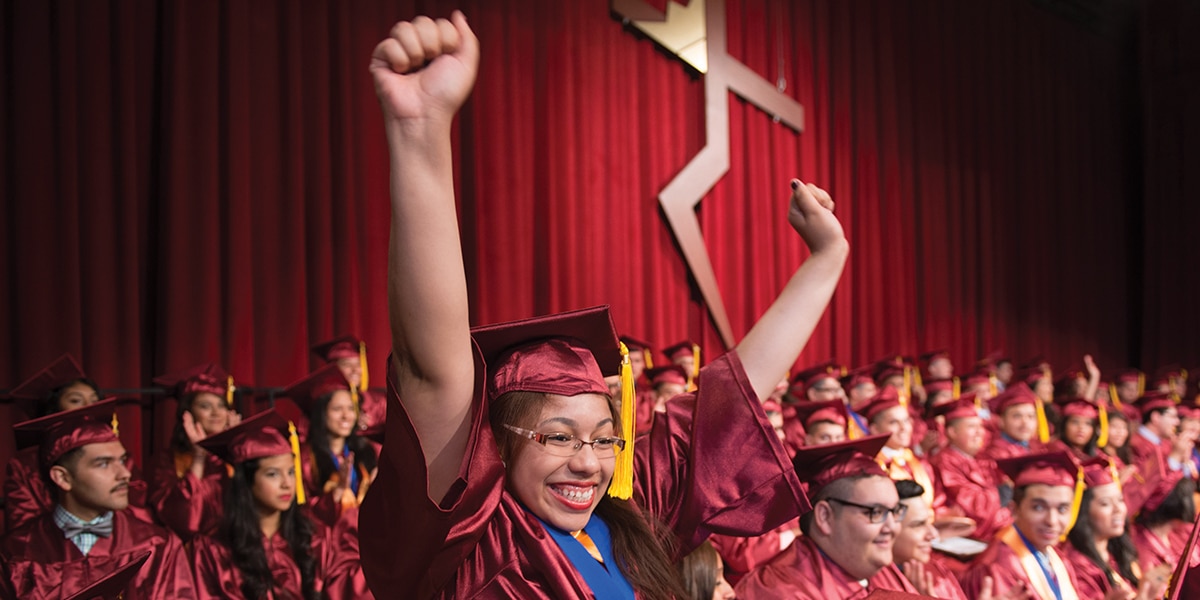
(338, 464)
(971, 483)
(1099, 547)
(60, 386)
(89, 532)
(349, 353)
(265, 545)
(513, 449)
(913, 550)
(1164, 519)
(186, 495)
(888, 412)
(846, 549)
(1047, 488)
(1023, 425)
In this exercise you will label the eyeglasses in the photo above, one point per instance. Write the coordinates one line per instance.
(565, 444)
(876, 512)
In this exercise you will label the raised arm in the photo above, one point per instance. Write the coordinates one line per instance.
(775, 341)
(423, 72)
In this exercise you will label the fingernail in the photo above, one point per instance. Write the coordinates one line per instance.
(795, 184)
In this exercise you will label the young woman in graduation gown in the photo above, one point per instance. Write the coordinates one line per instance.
(265, 546)
(502, 442)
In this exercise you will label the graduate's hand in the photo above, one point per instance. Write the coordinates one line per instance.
(1092, 369)
(811, 214)
(1154, 583)
(364, 421)
(232, 419)
(195, 433)
(425, 68)
(914, 571)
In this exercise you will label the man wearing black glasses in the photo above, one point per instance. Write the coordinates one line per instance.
(846, 550)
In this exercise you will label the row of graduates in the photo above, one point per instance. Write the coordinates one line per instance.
(967, 493)
(245, 524)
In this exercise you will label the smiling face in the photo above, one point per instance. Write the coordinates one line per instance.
(351, 368)
(1019, 422)
(1077, 431)
(1043, 513)
(915, 539)
(966, 434)
(274, 483)
(340, 416)
(1107, 511)
(847, 534)
(564, 490)
(1118, 432)
(210, 411)
(897, 422)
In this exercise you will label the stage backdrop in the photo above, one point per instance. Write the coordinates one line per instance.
(188, 182)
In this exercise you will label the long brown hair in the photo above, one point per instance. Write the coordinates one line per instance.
(699, 572)
(641, 546)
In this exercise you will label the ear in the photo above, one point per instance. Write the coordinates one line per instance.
(61, 477)
(823, 518)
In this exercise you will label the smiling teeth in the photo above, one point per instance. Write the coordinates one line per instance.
(578, 495)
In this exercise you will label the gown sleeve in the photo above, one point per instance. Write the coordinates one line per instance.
(25, 494)
(713, 464)
(184, 504)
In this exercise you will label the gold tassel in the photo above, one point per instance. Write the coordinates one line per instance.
(1112, 395)
(1112, 468)
(354, 398)
(695, 361)
(648, 356)
(229, 389)
(994, 382)
(907, 382)
(295, 441)
(365, 377)
(1102, 439)
(955, 388)
(917, 378)
(622, 481)
(1079, 486)
(116, 425)
(1043, 426)
(1141, 384)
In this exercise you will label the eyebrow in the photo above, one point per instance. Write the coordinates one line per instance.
(571, 422)
(103, 458)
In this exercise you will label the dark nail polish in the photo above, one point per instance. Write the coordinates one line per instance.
(795, 184)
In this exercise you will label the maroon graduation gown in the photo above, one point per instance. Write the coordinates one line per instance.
(970, 485)
(185, 504)
(26, 495)
(803, 572)
(38, 563)
(710, 464)
(1004, 566)
(218, 578)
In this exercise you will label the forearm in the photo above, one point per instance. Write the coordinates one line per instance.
(775, 341)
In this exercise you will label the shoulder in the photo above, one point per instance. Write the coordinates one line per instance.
(22, 541)
(139, 531)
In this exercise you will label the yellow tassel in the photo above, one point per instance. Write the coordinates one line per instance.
(1079, 486)
(648, 356)
(1112, 395)
(917, 378)
(1043, 427)
(116, 425)
(365, 378)
(1112, 468)
(907, 382)
(1102, 439)
(995, 385)
(229, 389)
(695, 361)
(956, 388)
(295, 441)
(1141, 384)
(354, 398)
(622, 481)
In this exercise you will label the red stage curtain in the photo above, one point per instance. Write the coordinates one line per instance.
(207, 181)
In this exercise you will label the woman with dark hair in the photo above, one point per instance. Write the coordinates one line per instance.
(1161, 527)
(1077, 428)
(1120, 430)
(338, 464)
(60, 386)
(265, 545)
(703, 575)
(187, 479)
(1100, 549)
(522, 461)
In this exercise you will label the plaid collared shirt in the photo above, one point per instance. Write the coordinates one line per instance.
(84, 541)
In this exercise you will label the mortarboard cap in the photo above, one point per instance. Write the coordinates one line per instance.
(1099, 470)
(811, 413)
(322, 382)
(114, 585)
(671, 374)
(936, 386)
(1016, 395)
(887, 397)
(65, 369)
(62, 432)
(963, 407)
(347, 346)
(1155, 400)
(260, 436)
(636, 345)
(857, 377)
(208, 378)
(818, 466)
(813, 374)
(1128, 375)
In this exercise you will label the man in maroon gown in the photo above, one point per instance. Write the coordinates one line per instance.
(1022, 556)
(1152, 440)
(970, 483)
(846, 550)
(90, 532)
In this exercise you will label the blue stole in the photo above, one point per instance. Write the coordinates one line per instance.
(605, 580)
(337, 463)
(858, 420)
(1044, 563)
(1014, 442)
